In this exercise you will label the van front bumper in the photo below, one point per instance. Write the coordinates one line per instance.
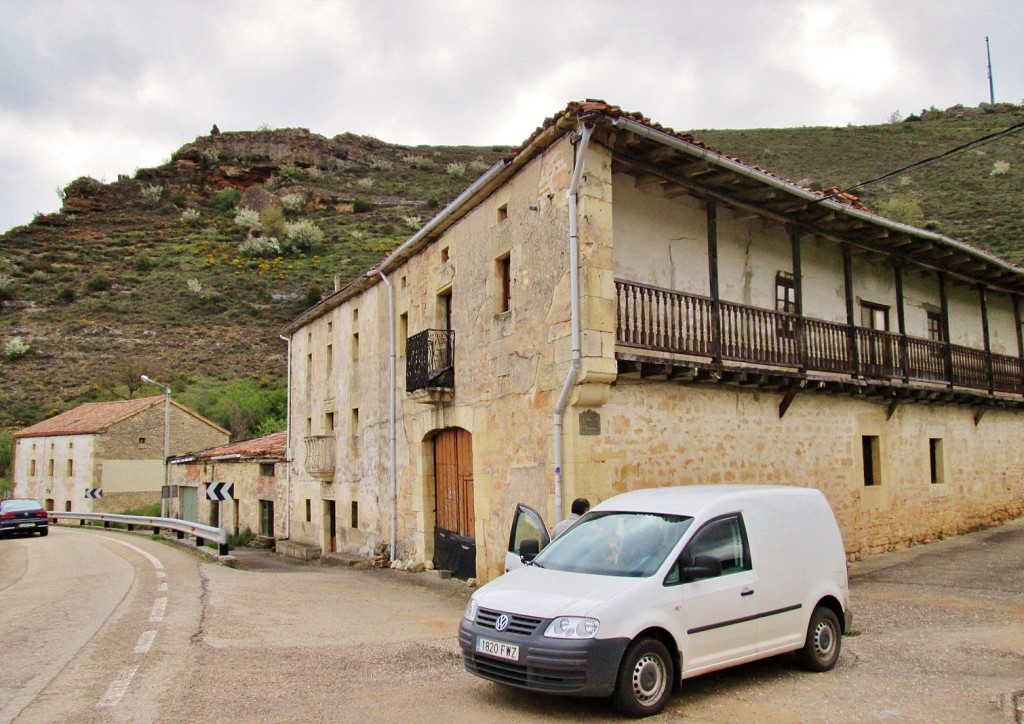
(586, 667)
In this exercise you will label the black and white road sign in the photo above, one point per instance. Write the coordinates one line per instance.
(220, 491)
(94, 492)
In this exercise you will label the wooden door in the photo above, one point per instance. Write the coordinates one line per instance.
(455, 523)
(453, 473)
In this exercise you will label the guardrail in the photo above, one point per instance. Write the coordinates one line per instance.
(181, 527)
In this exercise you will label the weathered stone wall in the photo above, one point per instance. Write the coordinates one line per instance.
(250, 487)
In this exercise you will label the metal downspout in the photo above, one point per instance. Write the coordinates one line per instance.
(288, 446)
(574, 292)
(392, 422)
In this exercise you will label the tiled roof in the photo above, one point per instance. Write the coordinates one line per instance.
(95, 417)
(268, 447)
(90, 418)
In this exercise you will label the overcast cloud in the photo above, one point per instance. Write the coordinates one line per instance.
(102, 87)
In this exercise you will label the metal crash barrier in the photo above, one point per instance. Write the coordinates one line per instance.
(181, 527)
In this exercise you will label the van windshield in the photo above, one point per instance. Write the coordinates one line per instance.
(615, 544)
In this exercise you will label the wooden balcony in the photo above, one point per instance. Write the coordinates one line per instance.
(319, 459)
(665, 321)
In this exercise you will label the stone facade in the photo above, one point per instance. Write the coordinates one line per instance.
(494, 269)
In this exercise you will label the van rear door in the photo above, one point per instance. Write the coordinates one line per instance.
(526, 523)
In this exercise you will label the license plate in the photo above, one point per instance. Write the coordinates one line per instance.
(498, 649)
(26, 525)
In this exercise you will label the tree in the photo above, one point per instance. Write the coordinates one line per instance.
(124, 378)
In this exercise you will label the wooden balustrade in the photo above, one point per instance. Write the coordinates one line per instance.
(663, 320)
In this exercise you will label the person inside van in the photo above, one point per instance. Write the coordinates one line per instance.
(579, 507)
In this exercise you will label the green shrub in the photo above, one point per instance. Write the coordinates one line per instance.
(313, 295)
(98, 283)
(361, 206)
(249, 219)
(227, 199)
(66, 294)
(272, 221)
(292, 173)
(259, 247)
(6, 288)
(241, 538)
(17, 348)
(190, 216)
(142, 263)
(300, 236)
(151, 194)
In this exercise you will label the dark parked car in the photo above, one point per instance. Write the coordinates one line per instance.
(23, 515)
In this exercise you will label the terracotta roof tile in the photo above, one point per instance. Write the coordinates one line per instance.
(272, 446)
(90, 418)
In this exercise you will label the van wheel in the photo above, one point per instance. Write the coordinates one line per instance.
(824, 637)
(645, 680)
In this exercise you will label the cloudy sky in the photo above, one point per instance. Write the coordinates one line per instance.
(102, 87)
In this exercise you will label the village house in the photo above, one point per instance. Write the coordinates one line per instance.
(617, 306)
(105, 457)
(240, 486)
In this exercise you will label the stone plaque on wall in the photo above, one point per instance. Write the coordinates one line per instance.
(590, 423)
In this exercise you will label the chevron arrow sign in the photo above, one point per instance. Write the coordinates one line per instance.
(220, 491)
(94, 492)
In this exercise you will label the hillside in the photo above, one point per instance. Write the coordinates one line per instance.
(154, 267)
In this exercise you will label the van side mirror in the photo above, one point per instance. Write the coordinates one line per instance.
(703, 566)
(528, 549)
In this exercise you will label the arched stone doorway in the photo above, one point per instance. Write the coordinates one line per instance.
(454, 518)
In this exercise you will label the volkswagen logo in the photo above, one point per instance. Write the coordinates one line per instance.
(502, 623)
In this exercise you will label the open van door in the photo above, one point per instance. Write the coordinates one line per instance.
(526, 523)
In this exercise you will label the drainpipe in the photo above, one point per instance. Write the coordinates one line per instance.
(393, 441)
(288, 446)
(574, 292)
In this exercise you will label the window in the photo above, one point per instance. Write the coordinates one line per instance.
(444, 310)
(725, 540)
(355, 346)
(309, 426)
(935, 327)
(355, 514)
(403, 332)
(355, 315)
(330, 358)
(70, 468)
(330, 327)
(935, 461)
(871, 460)
(142, 441)
(444, 254)
(309, 510)
(354, 422)
(67, 506)
(329, 422)
(785, 302)
(402, 283)
(267, 469)
(31, 467)
(49, 467)
(874, 316)
(502, 212)
(503, 273)
(309, 369)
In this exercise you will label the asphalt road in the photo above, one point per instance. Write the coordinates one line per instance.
(939, 637)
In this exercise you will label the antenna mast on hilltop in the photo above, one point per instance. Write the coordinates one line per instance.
(991, 88)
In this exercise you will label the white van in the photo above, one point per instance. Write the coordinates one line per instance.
(655, 586)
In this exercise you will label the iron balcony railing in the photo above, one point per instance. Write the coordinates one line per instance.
(319, 461)
(430, 360)
(663, 320)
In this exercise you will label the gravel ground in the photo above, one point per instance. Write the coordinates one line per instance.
(938, 637)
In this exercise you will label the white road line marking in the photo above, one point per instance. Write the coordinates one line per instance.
(145, 641)
(159, 609)
(119, 686)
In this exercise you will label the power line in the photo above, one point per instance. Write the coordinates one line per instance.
(995, 136)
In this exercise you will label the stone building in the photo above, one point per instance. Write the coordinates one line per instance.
(615, 306)
(255, 471)
(113, 450)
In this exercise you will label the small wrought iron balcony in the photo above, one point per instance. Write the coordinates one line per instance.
(430, 361)
(320, 457)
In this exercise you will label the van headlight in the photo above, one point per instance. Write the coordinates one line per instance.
(573, 627)
(471, 607)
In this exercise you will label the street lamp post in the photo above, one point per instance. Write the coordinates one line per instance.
(167, 439)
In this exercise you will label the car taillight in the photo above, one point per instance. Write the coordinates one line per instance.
(7, 516)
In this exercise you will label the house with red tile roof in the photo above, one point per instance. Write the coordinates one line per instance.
(106, 456)
(240, 486)
(616, 305)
